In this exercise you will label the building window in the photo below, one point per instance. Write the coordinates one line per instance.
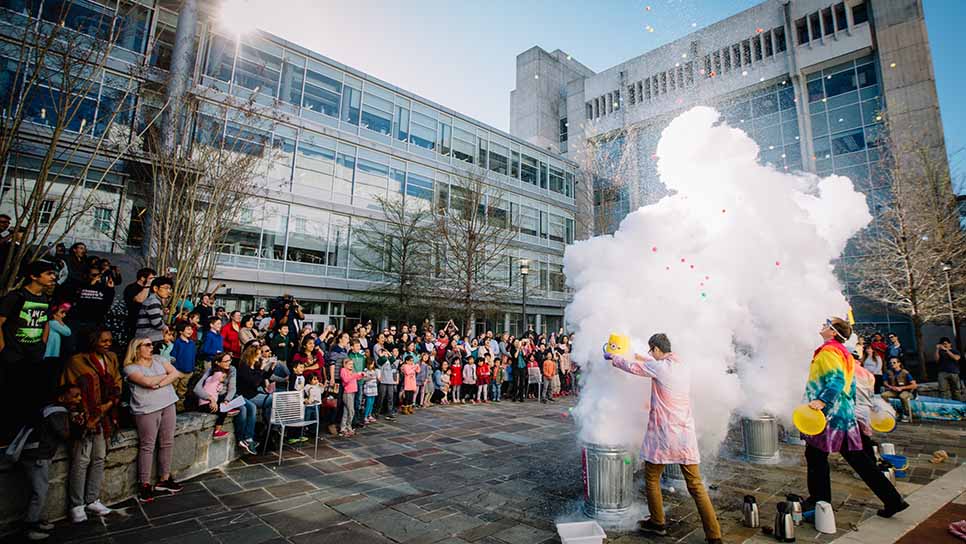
(768, 47)
(841, 23)
(46, 211)
(640, 91)
(827, 23)
(779, 34)
(757, 45)
(590, 111)
(563, 130)
(617, 99)
(801, 28)
(815, 24)
(631, 94)
(860, 13)
(746, 52)
(727, 59)
(102, 219)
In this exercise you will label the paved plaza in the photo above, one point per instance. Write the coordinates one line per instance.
(489, 474)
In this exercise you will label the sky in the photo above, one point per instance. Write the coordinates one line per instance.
(462, 54)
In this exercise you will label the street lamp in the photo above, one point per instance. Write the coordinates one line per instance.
(524, 272)
(949, 294)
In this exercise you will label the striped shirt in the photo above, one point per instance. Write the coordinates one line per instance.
(150, 322)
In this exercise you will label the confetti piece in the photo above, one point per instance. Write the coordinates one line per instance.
(778, 263)
(759, 30)
(682, 259)
(694, 25)
(692, 267)
(701, 284)
(723, 210)
(648, 8)
(627, 460)
(893, 65)
(713, 73)
(654, 249)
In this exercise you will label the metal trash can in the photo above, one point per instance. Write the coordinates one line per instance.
(761, 439)
(608, 482)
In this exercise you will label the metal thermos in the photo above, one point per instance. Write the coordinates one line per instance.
(750, 511)
(795, 508)
(784, 524)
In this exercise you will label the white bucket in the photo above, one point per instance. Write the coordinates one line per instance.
(581, 532)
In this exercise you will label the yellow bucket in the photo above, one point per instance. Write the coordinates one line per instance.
(882, 422)
(618, 344)
(809, 421)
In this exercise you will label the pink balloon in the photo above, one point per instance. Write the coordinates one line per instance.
(778, 263)
(654, 249)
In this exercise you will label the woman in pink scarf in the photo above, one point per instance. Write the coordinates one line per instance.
(670, 438)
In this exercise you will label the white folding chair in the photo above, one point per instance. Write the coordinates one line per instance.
(288, 410)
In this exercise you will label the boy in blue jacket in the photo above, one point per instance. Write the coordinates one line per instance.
(184, 353)
(213, 342)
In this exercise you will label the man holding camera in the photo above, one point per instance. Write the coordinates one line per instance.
(949, 362)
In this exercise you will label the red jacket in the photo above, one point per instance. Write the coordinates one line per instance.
(482, 374)
(456, 376)
(230, 340)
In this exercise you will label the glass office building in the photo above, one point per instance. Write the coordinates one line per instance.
(808, 80)
(338, 138)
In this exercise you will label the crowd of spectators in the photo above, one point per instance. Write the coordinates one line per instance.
(87, 365)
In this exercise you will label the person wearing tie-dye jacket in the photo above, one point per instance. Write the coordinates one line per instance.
(670, 438)
(831, 388)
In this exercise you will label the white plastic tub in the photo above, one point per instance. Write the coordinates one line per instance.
(581, 532)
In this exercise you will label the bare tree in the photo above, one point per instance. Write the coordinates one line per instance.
(473, 237)
(397, 248)
(66, 125)
(205, 186)
(915, 234)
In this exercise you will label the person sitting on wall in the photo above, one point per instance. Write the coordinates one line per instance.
(670, 437)
(899, 384)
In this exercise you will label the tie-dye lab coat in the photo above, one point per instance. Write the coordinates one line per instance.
(670, 438)
(831, 379)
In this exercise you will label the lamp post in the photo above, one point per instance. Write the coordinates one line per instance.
(524, 272)
(952, 312)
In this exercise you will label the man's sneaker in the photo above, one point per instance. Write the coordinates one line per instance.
(649, 527)
(146, 493)
(98, 508)
(219, 434)
(293, 441)
(168, 485)
(78, 514)
(253, 445)
(44, 526)
(243, 444)
(890, 511)
(35, 534)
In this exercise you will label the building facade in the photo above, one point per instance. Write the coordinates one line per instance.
(340, 138)
(808, 80)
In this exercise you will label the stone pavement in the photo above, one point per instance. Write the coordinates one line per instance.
(489, 474)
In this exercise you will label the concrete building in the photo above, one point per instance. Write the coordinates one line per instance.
(344, 138)
(807, 79)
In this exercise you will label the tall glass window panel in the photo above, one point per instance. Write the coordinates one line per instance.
(131, 31)
(372, 179)
(463, 146)
(293, 78)
(400, 121)
(278, 171)
(445, 141)
(515, 164)
(543, 175)
(872, 111)
(556, 180)
(377, 110)
(397, 178)
(323, 90)
(84, 16)
(274, 220)
(867, 75)
(250, 136)
(765, 105)
(499, 158)
(338, 247)
(116, 107)
(529, 221)
(558, 228)
(308, 240)
(243, 239)
(221, 57)
(529, 170)
(351, 100)
(314, 165)
(344, 175)
(845, 118)
(258, 68)
(422, 130)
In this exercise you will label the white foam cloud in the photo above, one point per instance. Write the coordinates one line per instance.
(735, 266)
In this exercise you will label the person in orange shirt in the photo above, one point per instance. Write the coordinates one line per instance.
(549, 372)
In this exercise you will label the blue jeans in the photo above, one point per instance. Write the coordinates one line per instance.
(370, 402)
(263, 402)
(245, 421)
(496, 390)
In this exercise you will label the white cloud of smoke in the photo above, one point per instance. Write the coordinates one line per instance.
(734, 266)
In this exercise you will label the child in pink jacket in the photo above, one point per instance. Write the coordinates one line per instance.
(350, 387)
(408, 370)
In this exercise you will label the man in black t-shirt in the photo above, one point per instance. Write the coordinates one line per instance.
(23, 317)
(134, 295)
(91, 299)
